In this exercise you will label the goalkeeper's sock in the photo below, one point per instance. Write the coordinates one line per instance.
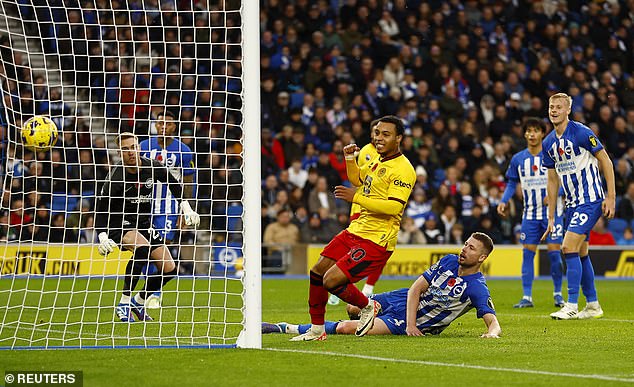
(367, 289)
(317, 299)
(351, 295)
(573, 274)
(587, 279)
(134, 269)
(155, 283)
(556, 269)
(528, 271)
(125, 299)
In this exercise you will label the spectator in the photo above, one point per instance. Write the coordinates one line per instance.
(600, 235)
(314, 231)
(296, 175)
(321, 197)
(625, 210)
(409, 234)
(627, 239)
(278, 236)
(432, 233)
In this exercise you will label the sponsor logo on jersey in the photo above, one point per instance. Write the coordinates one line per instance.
(402, 184)
(565, 167)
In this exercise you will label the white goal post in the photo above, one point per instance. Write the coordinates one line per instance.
(97, 72)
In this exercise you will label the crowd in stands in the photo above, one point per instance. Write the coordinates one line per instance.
(462, 75)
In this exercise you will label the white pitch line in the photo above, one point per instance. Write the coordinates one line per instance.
(457, 365)
(548, 317)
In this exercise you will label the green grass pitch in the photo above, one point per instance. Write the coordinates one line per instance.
(533, 351)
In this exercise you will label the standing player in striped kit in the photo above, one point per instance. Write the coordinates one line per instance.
(576, 158)
(178, 159)
(527, 169)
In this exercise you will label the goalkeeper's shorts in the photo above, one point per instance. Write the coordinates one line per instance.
(357, 257)
(153, 236)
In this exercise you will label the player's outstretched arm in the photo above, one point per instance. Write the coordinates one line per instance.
(413, 299)
(494, 331)
(607, 169)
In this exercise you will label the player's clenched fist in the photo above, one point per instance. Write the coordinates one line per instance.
(190, 216)
(350, 150)
(106, 245)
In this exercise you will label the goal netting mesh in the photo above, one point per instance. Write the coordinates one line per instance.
(98, 68)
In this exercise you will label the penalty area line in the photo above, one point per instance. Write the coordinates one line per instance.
(457, 365)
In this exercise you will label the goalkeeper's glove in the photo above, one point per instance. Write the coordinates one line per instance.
(190, 216)
(106, 245)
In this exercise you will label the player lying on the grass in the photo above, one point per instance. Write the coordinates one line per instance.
(444, 292)
(178, 158)
(123, 216)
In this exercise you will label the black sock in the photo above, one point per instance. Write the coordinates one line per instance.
(156, 282)
(134, 268)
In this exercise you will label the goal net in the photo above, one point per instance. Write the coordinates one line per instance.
(97, 69)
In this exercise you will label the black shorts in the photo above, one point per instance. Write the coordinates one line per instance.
(153, 236)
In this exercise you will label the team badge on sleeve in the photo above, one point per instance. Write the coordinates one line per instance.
(593, 141)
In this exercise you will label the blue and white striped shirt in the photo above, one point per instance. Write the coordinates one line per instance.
(529, 171)
(449, 296)
(178, 159)
(573, 157)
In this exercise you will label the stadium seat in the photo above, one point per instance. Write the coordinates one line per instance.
(58, 203)
(234, 217)
(617, 226)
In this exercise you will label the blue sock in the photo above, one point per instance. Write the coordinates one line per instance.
(329, 326)
(528, 271)
(303, 328)
(573, 274)
(556, 271)
(587, 279)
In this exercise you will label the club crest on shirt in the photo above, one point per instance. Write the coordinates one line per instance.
(593, 141)
(148, 183)
(381, 172)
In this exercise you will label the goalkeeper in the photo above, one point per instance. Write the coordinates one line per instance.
(123, 216)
